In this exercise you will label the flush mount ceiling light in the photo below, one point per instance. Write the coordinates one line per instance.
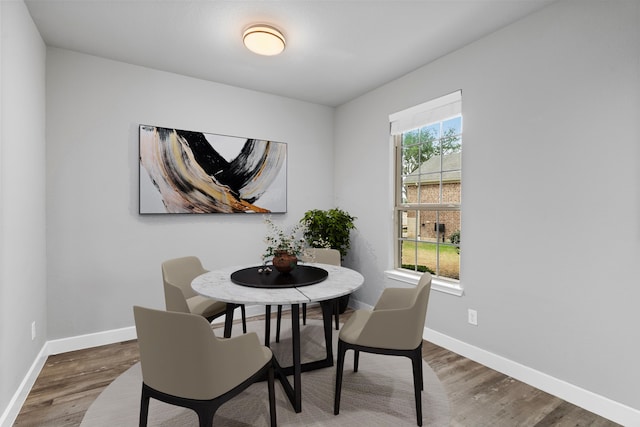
(263, 40)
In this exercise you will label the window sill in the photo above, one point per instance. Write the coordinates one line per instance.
(440, 285)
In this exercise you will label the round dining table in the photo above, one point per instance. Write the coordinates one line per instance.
(339, 281)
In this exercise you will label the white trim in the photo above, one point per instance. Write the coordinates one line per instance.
(593, 402)
(436, 284)
(603, 406)
(79, 342)
(436, 110)
(20, 396)
(359, 305)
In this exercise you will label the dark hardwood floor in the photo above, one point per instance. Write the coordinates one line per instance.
(478, 396)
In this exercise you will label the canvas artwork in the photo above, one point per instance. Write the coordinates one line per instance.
(194, 172)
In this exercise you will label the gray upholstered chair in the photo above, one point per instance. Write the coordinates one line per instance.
(393, 327)
(322, 256)
(177, 275)
(185, 364)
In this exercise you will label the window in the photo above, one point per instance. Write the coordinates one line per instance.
(428, 177)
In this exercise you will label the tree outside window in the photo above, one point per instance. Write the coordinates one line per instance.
(428, 197)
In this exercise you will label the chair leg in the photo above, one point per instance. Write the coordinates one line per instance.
(228, 319)
(144, 408)
(421, 374)
(267, 325)
(272, 395)
(278, 321)
(205, 416)
(418, 356)
(339, 368)
(304, 313)
(416, 361)
(244, 318)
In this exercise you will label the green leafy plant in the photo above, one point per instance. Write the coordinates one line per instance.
(328, 229)
(420, 268)
(278, 240)
(455, 239)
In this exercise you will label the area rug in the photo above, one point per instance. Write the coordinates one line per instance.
(379, 394)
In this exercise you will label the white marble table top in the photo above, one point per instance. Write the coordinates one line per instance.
(217, 284)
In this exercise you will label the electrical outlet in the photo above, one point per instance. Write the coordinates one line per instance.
(473, 317)
(33, 330)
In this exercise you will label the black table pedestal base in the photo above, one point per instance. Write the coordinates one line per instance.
(294, 392)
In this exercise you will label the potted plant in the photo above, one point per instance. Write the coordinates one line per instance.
(329, 229)
(283, 248)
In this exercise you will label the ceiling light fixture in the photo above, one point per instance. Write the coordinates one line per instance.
(263, 40)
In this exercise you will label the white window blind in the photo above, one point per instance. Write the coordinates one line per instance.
(429, 112)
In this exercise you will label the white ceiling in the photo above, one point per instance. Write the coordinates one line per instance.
(336, 50)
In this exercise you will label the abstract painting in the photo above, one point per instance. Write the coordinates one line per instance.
(194, 172)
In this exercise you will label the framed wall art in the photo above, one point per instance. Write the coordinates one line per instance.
(187, 172)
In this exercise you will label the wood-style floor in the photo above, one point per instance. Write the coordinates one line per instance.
(478, 396)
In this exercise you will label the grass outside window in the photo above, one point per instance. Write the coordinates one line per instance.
(426, 254)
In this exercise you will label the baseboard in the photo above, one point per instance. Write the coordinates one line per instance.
(605, 407)
(10, 414)
(358, 305)
(79, 342)
(610, 409)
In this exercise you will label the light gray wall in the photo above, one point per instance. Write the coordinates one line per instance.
(103, 257)
(22, 196)
(551, 148)
(551, 191)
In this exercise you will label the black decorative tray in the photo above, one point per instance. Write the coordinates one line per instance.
(302, 275)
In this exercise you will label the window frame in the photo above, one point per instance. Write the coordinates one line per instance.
(439, 283)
